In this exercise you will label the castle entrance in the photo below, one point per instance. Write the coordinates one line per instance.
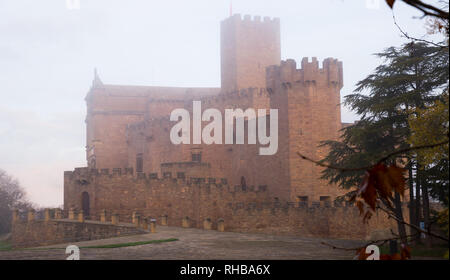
(85, 203)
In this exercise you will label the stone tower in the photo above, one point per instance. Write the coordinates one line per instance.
(308, 101)
(247, 47)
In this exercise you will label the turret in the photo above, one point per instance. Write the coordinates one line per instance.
(331, 73)
(248, 46)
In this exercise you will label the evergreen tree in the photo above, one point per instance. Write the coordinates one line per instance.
(411, 77)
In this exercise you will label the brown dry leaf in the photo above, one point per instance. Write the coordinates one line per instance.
(405, 252)
(396, 178)
(368, 191)
(381, 180)
(390, 3)
(394, 257)
(363, 186)
(361, 253)
(360, 207)
(367, 216)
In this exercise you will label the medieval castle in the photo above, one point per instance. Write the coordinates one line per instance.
(133, 166)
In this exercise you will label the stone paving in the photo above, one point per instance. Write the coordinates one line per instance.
(197, 244)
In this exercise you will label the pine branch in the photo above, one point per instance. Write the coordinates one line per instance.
(342, 169)
(402, 151)
(410, 149)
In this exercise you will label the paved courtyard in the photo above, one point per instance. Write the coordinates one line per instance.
(197, 244)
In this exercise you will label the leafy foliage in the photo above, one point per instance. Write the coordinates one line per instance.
(430, 125)
(411, 79)
(379, 183)
(443, 219)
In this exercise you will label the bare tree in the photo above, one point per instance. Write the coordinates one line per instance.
(11, 196)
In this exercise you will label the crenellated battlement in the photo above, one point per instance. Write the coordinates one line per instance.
(246, 97)
(331, 72)
(84, 176)
(154, 120)
(253, 19)
(224, 97)
(165, 101)
(286, 205)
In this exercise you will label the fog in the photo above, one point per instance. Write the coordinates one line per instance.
(48, 54)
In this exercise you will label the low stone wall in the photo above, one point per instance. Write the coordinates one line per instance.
(31, 232)
(342, 222)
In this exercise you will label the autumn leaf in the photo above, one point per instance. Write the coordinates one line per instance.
(368, 191)
(393, 257)
(361, 253)
(405, 252)
(360, 207)
(396, 178)
(388, 179)
(381, 181)
(390, 3)
(367, 217)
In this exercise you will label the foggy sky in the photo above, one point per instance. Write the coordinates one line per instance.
(48, 54)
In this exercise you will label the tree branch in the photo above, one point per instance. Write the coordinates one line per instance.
(416, 39)
(342, 169)
(428, 10)
(413, 226)
(379, 242)
(402, 151)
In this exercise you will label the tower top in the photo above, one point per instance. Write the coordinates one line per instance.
(248, 46)
(96, 82)
(255, 19)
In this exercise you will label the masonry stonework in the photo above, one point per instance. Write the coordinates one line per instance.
(55, 229)
(133, 166)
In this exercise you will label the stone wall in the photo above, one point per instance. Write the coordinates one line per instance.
(127, 125)
(111, 108)
(123, 191)
(196, 200)
(131, 124)
(32, 232)
(334, 221)
(343, 222)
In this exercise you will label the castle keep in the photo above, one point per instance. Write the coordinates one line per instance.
(133, 166)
